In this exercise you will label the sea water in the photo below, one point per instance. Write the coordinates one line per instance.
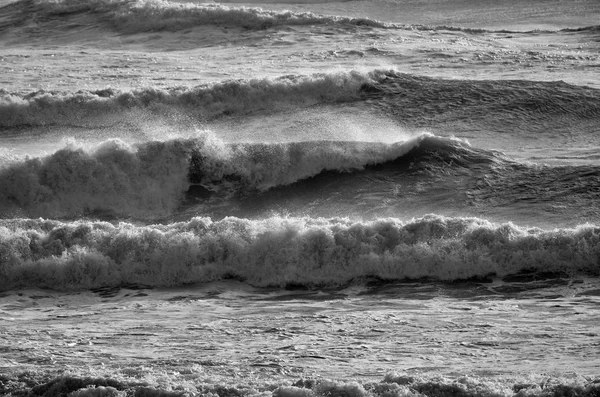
(299, 199)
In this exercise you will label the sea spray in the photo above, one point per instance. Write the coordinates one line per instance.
(204, 102)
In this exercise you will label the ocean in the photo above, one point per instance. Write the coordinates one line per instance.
(300, 198)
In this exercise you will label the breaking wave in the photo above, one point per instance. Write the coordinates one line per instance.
(149, 180)
(103, 107)
(278, 251)
(138, 16)
(393, 384)
(416, 101)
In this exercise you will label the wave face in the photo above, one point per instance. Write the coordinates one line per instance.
(283, 251)
(148, 181)
(114, 179)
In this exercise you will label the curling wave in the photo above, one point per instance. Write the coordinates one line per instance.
(202, 175)
(149, 180)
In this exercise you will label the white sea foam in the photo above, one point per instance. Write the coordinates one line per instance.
(145, 180)
(152, 15)
(281, 251)
(152, 383)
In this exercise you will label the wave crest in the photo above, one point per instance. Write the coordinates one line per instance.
(149, 180)
(134, 16)
(104, 107)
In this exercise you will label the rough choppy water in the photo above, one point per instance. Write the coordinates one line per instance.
(363, 198)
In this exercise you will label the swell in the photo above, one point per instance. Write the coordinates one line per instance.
(422, 175)
(282, 251)
(530, 107)
(136, 16)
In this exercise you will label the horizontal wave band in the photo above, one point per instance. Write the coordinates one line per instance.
(105, 107)
(136, 16)
(148, 181)
(394, 383)
(282, 251)
(415, 100)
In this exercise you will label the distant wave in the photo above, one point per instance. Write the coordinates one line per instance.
(593, 28)
(282, 251)
(103, 107)
(481, 30)
(113, 179)
(529, 106)
(136, 16)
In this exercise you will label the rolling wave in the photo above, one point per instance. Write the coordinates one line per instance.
(138, 16)
(528, 106)
(420, 102)
(148, 181)
(104, 107)
(312, 252)
(399, 384)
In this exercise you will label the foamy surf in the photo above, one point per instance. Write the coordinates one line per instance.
(283, 251)
(398, 384)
